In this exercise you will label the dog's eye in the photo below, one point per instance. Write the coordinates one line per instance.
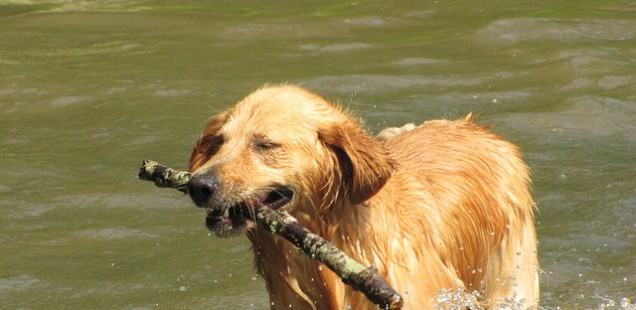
(264, 145)
(208, 146)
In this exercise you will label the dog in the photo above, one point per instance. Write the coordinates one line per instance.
(442, 207)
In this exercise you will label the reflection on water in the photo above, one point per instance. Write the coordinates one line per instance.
(89, 88)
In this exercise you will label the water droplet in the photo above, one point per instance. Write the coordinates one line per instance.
(626, 303)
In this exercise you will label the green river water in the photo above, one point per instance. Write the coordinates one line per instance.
(90, 88)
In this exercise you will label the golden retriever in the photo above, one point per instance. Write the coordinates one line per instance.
(439, 208)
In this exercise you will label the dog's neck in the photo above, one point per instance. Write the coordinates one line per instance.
(293, 278)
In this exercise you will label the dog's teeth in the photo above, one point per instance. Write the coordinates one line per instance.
(226, 213)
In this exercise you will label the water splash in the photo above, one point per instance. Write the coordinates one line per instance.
(460, 299)
(457, 299)
(622, 304)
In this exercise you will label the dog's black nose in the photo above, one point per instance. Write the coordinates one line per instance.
(201, 188)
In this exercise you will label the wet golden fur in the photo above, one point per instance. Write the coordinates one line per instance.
(440, 206)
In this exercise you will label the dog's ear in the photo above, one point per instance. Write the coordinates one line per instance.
(209, 142)
(364, 162)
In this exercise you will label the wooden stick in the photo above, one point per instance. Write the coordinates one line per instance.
(359, 277)
(164, 176)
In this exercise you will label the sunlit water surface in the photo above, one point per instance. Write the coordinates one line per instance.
(89, 88)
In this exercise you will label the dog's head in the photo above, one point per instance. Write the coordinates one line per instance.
(283, 147)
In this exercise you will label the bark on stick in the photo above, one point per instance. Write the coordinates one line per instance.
(361, 278)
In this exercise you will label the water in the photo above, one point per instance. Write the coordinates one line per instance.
(89, 88)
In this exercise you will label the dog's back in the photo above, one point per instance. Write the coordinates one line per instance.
(466, 191)
(461, 197)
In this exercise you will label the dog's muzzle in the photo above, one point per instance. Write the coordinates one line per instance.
(230, 219)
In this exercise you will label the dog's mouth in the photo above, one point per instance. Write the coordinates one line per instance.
(235, 219)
